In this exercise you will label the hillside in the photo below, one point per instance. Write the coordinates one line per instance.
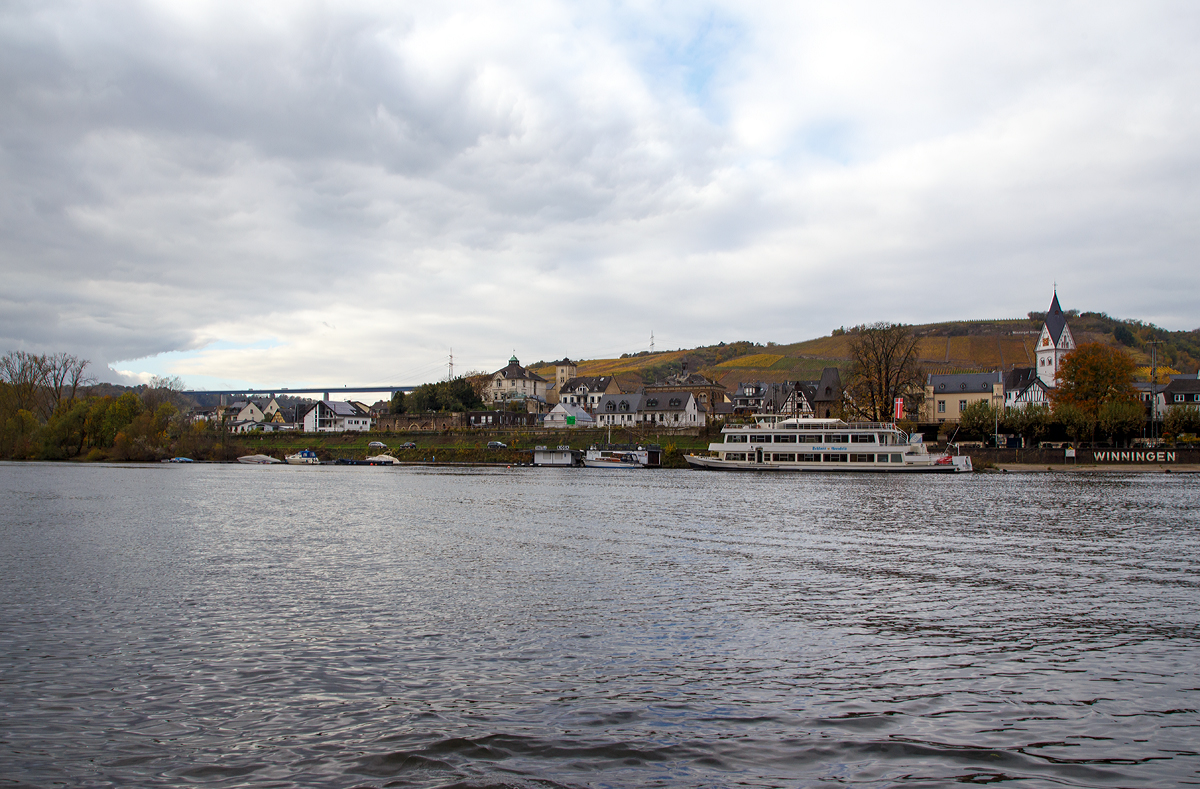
(954, 346)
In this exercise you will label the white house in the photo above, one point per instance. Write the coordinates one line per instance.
(670, 409)
(334, 416)
(568, 415)
(1023, 386)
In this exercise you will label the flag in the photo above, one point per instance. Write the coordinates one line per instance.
(899, 408)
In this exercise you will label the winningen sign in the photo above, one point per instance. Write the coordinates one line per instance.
(1148, 456)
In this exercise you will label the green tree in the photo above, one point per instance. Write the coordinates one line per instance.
(1031, 422)
(399, 403)
(885, 366)
(1079, 424)
(1181, 419)
(1120, 419)
(979, 419)
(1094, 374)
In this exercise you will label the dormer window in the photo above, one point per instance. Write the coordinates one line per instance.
(610, 406)
(624, 405)
(675, 403)
(652, 403)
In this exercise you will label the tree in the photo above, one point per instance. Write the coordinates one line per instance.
(1181, 419)
(1121, 418)
(1079, 424)
(1094, 374)
(885, 367)
(980, 418)
(64, 375)
(163, 389)
(399, 403)
(1030, 423)
(25, 373)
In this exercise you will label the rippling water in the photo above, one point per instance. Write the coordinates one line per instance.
(368, 627)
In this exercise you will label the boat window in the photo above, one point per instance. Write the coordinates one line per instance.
(897, 458)
(863, 438)
(862, 458)
(785, 439)
(735, 455)
(786, 457)
(810, 438)
(733, 438)
(810, 458)
(881, 458)
(835, 458)
(838, 438)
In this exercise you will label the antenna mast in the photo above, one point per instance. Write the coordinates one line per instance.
(652, 341)
(451, 377)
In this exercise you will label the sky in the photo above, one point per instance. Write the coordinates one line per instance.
(296, 193)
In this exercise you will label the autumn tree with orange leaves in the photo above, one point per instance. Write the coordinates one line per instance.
(1094, 375)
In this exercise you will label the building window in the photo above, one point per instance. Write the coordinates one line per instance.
(1179, 398)
(941, 406)
(962, 406)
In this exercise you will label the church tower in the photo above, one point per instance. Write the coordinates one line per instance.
(1053, 343)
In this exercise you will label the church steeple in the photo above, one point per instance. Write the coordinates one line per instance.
(1054, 343)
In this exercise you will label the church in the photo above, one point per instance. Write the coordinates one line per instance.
(1054, 343)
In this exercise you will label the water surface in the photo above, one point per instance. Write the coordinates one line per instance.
(223, 626)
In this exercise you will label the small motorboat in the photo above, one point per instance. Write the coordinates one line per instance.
(382, 460)
(258, 460)
(305, 457)
(179, 460)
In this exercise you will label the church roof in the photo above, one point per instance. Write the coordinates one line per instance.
(1055, 320)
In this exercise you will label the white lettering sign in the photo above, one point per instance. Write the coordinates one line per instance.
(1136, 456)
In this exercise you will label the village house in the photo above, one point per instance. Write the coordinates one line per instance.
(669, 409)
(947, 396)
(1023, 386)
(586, 391)
(334, 416)
(568, 415)
(514, 383)
(704, 391)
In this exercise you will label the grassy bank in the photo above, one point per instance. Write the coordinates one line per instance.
(453, 446)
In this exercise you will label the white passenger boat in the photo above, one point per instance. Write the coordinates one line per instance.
(777, 443)
(382, 460)
(305, 457)
(258, 460)
(622, 458)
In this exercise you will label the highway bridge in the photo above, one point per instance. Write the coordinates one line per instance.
(324, 391)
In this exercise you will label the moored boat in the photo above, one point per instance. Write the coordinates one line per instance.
(305, 457)
(773, 443)
(258, 460)
(603, 458)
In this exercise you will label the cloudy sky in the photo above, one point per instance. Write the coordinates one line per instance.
(309, 193)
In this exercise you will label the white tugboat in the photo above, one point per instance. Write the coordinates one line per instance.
(776, 443)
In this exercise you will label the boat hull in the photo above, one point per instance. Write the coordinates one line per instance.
(957, 465)
(258, 460)
(611, 464)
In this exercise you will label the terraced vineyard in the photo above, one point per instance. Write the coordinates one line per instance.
(964, 346)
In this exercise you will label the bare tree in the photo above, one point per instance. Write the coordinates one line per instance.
(64, 376)
(885, 367)
(25, 373)
(163, 389)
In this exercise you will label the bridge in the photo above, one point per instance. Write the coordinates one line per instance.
(324, 391)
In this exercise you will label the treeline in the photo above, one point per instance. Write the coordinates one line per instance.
(464, 393)
(48, 413)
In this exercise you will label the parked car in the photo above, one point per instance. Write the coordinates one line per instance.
(497, 445)
(377, 445)
(408, 445)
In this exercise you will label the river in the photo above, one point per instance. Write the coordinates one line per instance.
(231, 626)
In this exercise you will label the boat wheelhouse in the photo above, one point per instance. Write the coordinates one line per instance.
(778, 443)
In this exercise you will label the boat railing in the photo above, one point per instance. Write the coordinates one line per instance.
(824, 427)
